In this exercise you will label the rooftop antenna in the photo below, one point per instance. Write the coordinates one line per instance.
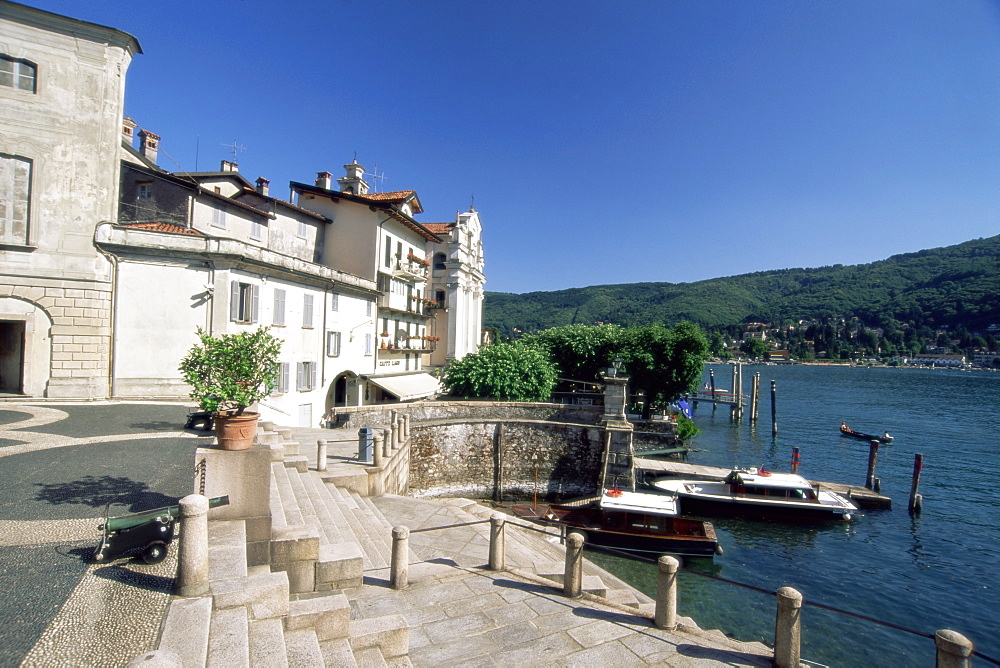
(235, 148)
(375, 176)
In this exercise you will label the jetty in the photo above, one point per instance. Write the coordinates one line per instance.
(860, 496)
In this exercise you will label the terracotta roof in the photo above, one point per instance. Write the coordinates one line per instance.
(440, 228)
(393, 196)
(163, 227)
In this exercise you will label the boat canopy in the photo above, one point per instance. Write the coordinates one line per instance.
(776, 480)
(638, 502)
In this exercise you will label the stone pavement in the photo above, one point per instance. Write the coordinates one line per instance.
(62, 463)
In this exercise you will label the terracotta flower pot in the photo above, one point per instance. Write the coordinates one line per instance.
(236, 432)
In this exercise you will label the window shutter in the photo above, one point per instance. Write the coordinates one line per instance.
(313, 367)
(234, 301)
(255, 297)
(307, 310)
(368, 343)
(334, 302)
(286, 371)
(299, 368)
(368, 307)
(279, 306)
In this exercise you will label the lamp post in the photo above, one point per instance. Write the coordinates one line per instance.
(616, 365)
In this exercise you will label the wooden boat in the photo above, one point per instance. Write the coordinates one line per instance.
(633, 521)
(758, 493)
(847, 431)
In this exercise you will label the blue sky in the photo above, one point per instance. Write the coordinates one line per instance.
(604, 142)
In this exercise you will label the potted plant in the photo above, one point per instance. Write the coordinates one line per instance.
(227, 374)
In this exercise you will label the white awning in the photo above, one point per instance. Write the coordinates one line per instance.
(408, 386)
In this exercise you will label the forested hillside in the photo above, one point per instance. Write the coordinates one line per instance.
(951, 286)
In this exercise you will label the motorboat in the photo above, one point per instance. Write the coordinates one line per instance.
(632, 521)
(752, 492)
(847, 431)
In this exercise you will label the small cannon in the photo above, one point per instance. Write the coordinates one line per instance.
(146, 534)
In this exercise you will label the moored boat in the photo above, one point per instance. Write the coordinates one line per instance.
(633, 521)
(847, 431)
(760, 494)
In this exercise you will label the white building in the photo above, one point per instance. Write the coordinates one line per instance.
(456, 288)
(62, 87)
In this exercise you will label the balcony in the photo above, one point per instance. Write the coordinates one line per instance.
(410, 305)
(405, 344)
(411, 268)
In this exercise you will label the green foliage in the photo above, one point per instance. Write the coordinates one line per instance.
(507, 371)
(939, 287)
(686, 428)
(754, 348)
(581, 352)
(231, 371)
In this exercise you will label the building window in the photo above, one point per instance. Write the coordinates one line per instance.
(307, 310)
(145, 191)
(18, 74)
(256, 230)
(218, 217)
(305, 377)
(303, 230)
(388, 252)
(332, 344)
(244, 302)
(279, 307)
(284, 371)
(369, 308)
(439, 296)
(369, 346)
(334, 302)
(439, 260)
(15, 194)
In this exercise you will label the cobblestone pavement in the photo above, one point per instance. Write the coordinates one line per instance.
(61, 465)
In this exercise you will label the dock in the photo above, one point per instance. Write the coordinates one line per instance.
(860, 496)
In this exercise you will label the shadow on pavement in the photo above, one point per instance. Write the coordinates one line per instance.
(147, 581)
(99, 491)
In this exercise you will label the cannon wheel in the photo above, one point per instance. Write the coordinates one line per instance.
(155, 552)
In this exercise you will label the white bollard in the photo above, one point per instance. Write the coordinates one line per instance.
(573, 576)
(192, 551)
(665, 616)
(953, 649)
(321, 455)
(399, 571)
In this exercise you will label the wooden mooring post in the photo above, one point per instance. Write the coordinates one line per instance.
(774, 408)
(871, 482)
(795, 460)
(916, 499)
(754, 397)
(711, 380)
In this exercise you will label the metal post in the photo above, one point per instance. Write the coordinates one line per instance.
(573, 576)
(774, 409)
(498, 552)
(665, 616)
(788, 629)
(321, 455)
(400, 565)
(733, 406)
(192, 552)
(872, 458)
(953, 649)
(795, 460)
(916, 499)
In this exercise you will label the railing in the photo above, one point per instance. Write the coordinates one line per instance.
(413, 269)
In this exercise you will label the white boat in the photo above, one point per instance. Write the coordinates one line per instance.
(758, 493)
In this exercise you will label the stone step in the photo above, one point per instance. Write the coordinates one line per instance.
(329, 616)
(353, 478)
(378, 535)
(327, 511)
(228, 638)
(227, 549)
(185, 629)
(338, 653)
(298, 462)
(267, 644)
(390, 634)
(276, 507)
(264, 595)
(303, 649)
(302, 498)
(293, 517)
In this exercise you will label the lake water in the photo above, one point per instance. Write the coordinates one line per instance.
(940, 569)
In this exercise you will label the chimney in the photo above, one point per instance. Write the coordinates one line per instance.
(323, 180)
(149, 145)
(354, 182)
(229, 166)
(262, 186)
(128, 131)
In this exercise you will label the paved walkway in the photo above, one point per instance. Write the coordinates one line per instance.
(62, 463)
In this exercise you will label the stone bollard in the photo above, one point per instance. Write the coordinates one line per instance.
(377, 455)
(665, 616)
(498, 550)
(406, 425)
(321, 455)
(393, 436)
(399, 571)
(401, 430)
(788, 629)
(573, 576)
(953, 649)
(192, 552)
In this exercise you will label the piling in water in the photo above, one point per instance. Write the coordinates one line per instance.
(916, 500)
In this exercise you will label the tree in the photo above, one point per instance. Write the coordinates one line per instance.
(581, 352)
(754, 348)
(664, 363)
(506, 371)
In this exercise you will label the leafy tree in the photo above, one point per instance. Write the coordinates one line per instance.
(506, 371)
(581, 352)
(664, 363)
(754, 348)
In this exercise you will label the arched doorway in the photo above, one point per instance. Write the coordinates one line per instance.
(343, 391)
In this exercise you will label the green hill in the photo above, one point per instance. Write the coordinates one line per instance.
(950, 286)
